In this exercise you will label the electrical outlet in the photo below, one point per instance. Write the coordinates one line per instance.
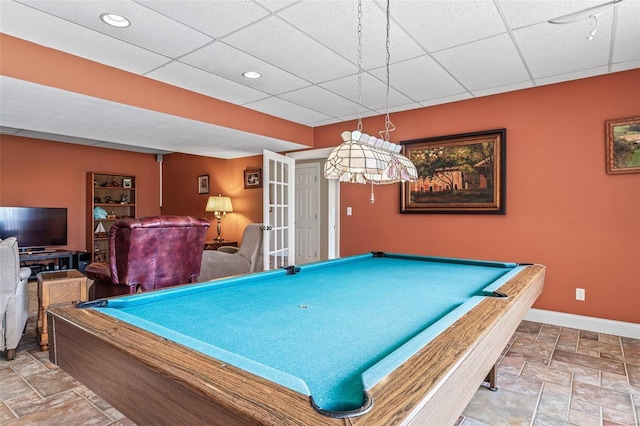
(580, 294)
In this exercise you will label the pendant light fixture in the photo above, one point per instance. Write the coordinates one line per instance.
(361, 158)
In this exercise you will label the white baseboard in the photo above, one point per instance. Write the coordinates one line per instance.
(598, 325)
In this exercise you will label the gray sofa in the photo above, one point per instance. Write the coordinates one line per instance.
(228, 261)
(14, 297)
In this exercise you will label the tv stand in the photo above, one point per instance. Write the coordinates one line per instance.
(46, 260)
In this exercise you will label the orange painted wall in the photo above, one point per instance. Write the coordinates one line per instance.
(563, 210)
(226, 177)
(38, 173)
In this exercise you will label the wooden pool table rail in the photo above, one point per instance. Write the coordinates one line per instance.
(155, 381)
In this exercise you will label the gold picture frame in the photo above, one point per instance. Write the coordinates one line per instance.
(464, 173)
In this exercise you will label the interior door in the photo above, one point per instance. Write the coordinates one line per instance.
(307, 213)
(331, 208)
(278, 210)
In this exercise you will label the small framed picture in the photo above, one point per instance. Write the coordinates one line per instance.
(623, 145)
(203, 184)
(126, 183)
(252, 178)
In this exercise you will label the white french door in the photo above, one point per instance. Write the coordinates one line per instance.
(278, 174)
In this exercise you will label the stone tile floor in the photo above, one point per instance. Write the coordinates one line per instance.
(552, 375)
(548, 375)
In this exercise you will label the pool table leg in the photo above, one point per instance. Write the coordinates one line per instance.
(492, 378)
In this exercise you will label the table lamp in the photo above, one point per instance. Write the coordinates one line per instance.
(219, 205)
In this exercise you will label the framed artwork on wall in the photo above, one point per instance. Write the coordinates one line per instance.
(623, 145)
(462, 173)
(252, 178)
(203, 184)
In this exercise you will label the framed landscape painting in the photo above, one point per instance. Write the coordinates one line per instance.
(462, 173)
(623, 145)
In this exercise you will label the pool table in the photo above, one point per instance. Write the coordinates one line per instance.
(379, 338)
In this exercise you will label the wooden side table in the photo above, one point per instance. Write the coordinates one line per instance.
(215, 245)
(57, 288)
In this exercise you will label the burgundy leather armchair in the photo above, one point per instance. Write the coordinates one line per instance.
(149, 253)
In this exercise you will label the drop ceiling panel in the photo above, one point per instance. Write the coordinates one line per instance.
(277, 42)
(571, 76)
(215, 18)
(229, 62)
(275, 5)
(503, 89)
(623, 66)
(441, 24)
(312, 18)
(288, 110)
(547, 57)
(495, 63)
(447, 99)
(374, 91)
(60, 34)
(627, 35)
(398, 108)
(324, 123)
(196, 80)
(171, 38)
(421, 78)
(321, 100)
(520, 13)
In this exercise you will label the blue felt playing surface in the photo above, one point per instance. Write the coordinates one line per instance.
(319, 330)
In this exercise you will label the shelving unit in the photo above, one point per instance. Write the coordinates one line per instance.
(116, 195)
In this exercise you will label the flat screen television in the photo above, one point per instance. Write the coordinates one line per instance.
(34, 227)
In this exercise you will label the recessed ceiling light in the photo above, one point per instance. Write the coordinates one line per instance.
(252, 74)
(115, 20)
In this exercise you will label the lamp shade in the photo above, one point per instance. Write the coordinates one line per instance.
(218, 203)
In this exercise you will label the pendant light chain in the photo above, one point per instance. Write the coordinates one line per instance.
(361, 158)
(360, 65)
(388, 125)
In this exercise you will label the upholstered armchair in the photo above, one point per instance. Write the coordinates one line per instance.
(227, 261)
(149, 253)
(14, 297)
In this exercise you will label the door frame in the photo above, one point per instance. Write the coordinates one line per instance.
(333, 196)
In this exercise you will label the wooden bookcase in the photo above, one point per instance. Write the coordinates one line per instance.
(116, 195)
